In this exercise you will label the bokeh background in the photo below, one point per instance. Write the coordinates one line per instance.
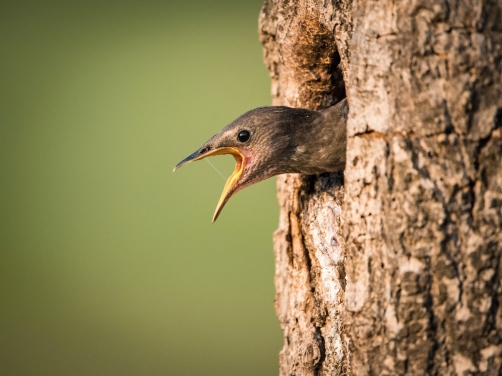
(109, 263)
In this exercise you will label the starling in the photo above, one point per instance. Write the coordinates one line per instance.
(269, 141)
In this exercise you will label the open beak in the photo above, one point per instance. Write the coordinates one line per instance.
(231, 184)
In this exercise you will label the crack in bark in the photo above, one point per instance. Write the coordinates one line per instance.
(322, 348)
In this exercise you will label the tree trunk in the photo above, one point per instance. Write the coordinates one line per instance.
(394, 266)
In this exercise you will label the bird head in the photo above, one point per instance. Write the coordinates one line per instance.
(260, 141)
(269, 141)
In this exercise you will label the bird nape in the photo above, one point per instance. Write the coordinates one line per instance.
(269, 141)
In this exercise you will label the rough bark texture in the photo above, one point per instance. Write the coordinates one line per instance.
(306, 51)
(398, 271)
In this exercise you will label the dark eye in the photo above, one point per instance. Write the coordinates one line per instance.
(243, 136)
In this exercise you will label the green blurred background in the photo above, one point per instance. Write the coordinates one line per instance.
(109, 263)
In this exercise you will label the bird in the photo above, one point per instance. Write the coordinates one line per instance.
(274, 140)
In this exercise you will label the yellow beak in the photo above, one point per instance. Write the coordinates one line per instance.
(230, 186)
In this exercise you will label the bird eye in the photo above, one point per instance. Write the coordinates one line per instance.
(243, 136)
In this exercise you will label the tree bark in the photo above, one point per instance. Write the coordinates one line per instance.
(394, 266)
